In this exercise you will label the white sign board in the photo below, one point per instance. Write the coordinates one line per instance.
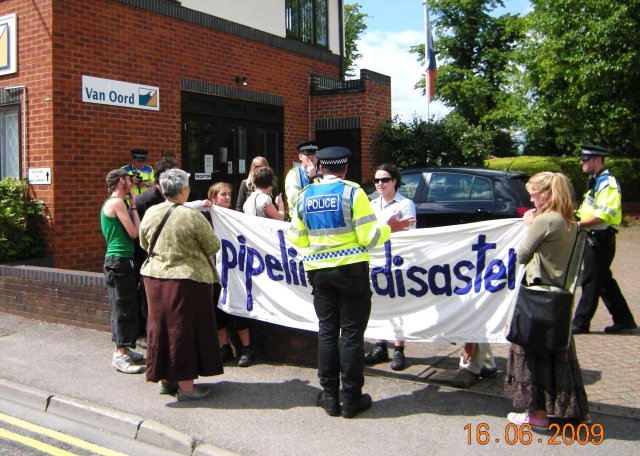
(8, 44)
(39, 176)
(118, 93)
(202, 176)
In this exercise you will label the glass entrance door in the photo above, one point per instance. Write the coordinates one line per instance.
(217, 149)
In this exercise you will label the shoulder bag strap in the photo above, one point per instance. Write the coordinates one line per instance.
(157, 233)
(569, 263)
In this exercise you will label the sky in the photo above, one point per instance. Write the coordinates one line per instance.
(393, 26)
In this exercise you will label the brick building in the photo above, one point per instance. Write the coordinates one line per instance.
(82, 82)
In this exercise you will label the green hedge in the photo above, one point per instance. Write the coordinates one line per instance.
(626, 170)
(20, 220)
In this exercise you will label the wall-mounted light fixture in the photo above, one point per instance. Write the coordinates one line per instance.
(242, 80)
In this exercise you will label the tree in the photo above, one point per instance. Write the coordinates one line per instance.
(354, 26)
(476, 54)
(583, 72)
(450, 141)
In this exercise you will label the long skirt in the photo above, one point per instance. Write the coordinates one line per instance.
(182, 341)
(549, 381)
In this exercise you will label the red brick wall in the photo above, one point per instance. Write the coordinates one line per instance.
(80, 299)
(35, 28)
(373, 106)
(107, 39)
(61, 41)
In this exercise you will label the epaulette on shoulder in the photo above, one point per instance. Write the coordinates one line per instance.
(351, 184)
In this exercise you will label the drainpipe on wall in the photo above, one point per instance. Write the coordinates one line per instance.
(341, 20)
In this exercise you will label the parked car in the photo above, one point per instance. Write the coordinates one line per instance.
(450, 196)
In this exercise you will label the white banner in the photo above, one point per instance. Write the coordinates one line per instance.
(454, 283)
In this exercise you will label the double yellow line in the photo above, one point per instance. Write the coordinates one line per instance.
(8, 435)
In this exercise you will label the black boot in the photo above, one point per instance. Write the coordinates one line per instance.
(329, 402)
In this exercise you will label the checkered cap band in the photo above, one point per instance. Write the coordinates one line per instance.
(337, 161)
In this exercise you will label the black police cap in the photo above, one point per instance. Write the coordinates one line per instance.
(308, 147)
(139, 154)
(331, 156)
(589, 150)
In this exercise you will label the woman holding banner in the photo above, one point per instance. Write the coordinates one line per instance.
(388, 203)
(547, 383)
(178, 278)
(220, 195)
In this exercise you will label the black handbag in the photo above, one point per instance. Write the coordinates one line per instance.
(542, 316)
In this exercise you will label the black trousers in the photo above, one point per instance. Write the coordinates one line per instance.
(122, 290)
(598, 282)
(342, 300)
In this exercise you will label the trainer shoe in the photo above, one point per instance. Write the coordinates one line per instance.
(397, 363)
(488, 372)
(376, 356)
(361, 406)
(135, 356)
(124, 363)
(540, 424)
(199, 392)
(464, 379)
(620, 327)
(167, 387)
(246, 359)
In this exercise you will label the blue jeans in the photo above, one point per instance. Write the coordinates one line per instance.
(122, 289)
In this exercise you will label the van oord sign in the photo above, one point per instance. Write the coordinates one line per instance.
(119, 93)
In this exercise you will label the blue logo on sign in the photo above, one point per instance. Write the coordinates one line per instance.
(148, 97)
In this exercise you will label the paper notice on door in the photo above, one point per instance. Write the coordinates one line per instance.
(241, 167)
(208, 163)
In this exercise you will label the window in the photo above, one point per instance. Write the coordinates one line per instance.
(9, 143)
(307, 21)
(409, 185)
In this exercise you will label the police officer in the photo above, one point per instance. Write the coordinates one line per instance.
(141, 174)
(334, 223)
(600, 214)
(301, 176)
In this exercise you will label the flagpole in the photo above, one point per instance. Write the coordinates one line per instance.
(426, 57)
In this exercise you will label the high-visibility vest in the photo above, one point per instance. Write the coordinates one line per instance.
(603, 200)
(296, 180)
(335, 225)
(146, 174)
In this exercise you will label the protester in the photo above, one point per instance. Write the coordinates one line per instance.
(141, 174)
(600, 214)
(335, 226)
(247, 186)
(220, 195)
(389, 203)
(301, 176)
(178, 277)
(119, 230)
(545, 382)
(259, 202)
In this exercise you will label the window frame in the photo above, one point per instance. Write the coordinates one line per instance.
(10, 108)
(296, 8)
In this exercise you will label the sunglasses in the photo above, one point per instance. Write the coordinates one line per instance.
(384, 180)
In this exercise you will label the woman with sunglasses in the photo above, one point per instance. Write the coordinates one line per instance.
(388, 203)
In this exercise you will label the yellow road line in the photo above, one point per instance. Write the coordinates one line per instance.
(28, 441)
(59, 436)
